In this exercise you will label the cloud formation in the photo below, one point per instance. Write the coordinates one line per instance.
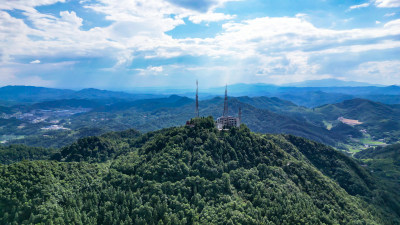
(138, 41)
(363, 5)
(387, 3)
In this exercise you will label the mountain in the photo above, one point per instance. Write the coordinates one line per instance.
(92, 93)
(330, 83)
(149, 104)
(360, 109)
(31, 93)
(377, 120)
(194, 175)
(274, 104)
(313, 98)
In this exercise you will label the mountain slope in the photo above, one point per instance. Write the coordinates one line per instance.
(384, 161)
(379, 120)
(195, 175)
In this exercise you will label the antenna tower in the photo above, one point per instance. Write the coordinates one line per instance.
(197, 98)
(226, 102)
(240, 115)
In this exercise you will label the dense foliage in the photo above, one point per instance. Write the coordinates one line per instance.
(192, 175)
(15, 153)
(383, 161)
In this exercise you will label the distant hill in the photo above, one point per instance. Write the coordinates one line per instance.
(149, 104)
(273, 104)
(30, 94)
(379, 120)
(303, 96)
(360, 109)
(314, 98)
(329, 83)
(195, 175)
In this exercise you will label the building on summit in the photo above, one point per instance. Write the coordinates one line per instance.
(226, 121)
(223, 122)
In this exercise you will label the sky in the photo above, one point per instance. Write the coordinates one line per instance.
(123, 44)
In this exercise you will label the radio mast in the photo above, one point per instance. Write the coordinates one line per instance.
(197, 98)
(226, 102)
(240, 115)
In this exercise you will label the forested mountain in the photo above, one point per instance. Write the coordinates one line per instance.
(195, 175)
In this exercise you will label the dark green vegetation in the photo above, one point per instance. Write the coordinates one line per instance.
(194, 175)
(16, 153)
(383, 161)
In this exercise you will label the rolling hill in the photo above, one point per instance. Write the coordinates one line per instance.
(379, 120)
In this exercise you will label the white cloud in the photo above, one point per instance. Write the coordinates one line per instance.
(155, 68)
(151, 70)
(35, 61)
(8, 77)
(384, 72)
(210, 17)
(389, 14)
(387, 3)
(359, 6)
(275, 48)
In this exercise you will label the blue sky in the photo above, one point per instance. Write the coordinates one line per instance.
(125, 44)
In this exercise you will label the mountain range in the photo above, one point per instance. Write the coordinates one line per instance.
(303, 96)
(101, 111)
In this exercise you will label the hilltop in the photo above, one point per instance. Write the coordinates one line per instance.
(191, 175)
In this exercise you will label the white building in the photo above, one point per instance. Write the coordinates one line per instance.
(227, 121)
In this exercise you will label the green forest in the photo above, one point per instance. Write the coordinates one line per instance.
(192, 175)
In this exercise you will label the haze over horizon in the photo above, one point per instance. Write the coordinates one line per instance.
(170, 43)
